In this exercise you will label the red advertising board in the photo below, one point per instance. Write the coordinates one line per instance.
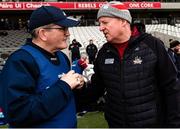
(74, 5)
(143, 5)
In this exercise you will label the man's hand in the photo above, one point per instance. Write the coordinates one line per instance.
(74, 80)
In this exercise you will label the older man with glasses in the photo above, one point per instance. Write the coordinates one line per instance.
(36, 81)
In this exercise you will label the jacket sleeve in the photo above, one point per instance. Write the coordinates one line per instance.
(23, 105)
(169, 85)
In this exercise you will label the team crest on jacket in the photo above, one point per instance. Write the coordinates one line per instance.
(137, 60)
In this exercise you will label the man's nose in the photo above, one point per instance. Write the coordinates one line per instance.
(67, 33)
(101, 27)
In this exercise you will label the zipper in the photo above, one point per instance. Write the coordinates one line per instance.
(122, 89)
(123, 101)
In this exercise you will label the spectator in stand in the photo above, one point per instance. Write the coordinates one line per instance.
(36, 83)
(7, 25)
(74, 48)
(3, 31)
(135, 73)
(2, 24)
(27, 26)
(91, 50)
(155, 20)
(170, 20)
(174, 52)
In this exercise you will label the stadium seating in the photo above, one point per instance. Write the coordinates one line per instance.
(164, 32)
(83, 34)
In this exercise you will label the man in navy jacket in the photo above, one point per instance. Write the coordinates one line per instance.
(36, 81)
(135, 73)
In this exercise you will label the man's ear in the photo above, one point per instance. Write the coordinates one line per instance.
(43, 34)
(124, 22)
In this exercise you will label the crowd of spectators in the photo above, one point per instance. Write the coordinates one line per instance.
(7, 24)
(12, 24)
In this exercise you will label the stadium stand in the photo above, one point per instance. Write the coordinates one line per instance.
(83, 34)
(164, 32)
(178, 25)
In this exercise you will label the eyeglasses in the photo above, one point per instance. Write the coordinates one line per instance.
(59, 28)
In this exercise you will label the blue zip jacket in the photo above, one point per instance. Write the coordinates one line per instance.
(34, 96)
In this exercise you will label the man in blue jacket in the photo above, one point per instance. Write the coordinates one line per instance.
(36, 81)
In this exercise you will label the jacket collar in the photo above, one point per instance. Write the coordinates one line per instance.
(133, 41)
